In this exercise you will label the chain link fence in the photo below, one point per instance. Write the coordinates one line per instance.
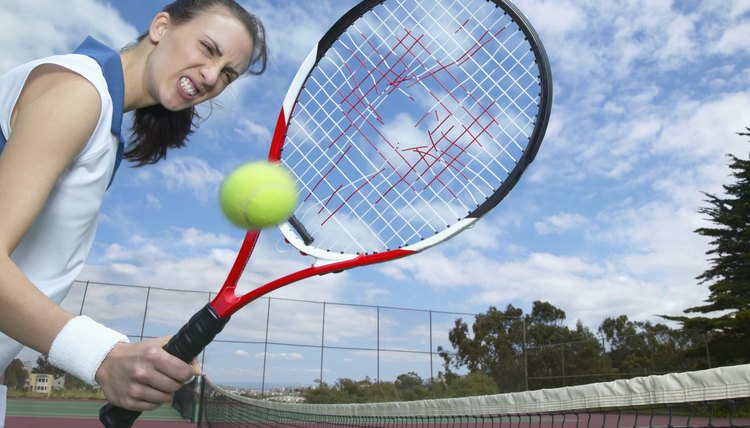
(276, 342)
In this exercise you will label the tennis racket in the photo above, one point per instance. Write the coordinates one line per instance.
(408, 121)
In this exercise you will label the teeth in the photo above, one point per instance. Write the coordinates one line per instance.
(187, 86)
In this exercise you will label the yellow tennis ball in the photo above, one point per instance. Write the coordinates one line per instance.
(258, 194)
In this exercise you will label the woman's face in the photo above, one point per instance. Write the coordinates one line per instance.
(196, 60)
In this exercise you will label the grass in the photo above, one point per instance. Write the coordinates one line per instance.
(64, 394)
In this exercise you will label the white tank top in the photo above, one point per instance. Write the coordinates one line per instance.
(53, 251)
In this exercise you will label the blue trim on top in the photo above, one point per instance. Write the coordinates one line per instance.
(109, 61)
(111, 65)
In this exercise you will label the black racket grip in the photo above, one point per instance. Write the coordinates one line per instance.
(192, 338)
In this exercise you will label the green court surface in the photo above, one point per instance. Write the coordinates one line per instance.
(76, 409)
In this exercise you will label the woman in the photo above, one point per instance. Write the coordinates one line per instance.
(60, 119)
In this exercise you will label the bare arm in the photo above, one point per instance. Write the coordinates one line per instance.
(53, 119)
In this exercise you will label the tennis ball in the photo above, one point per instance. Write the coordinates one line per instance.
(258, 194)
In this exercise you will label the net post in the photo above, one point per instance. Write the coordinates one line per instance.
(193, 399)
(201, 398)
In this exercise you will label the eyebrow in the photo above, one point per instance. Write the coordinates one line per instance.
(219, 53)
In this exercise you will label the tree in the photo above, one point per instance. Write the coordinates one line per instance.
(471, 385)
(642, 348)
(558, 355)
(381, 392)
(494, 348)
(410, 387)
(44, 366)
(507, 345)
(728, 278)
(15, 374)
(350, 391)
(323, 394)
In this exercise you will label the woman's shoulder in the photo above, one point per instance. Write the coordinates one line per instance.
(73, 86)
(80, 65)
(68, 79)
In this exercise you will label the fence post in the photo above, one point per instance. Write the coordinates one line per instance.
(525, 354)
(83, 300)
(432, 372)
(145, 312)
(377, 380)
(265, 348)
(322, 343)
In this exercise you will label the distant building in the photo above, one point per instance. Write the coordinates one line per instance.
(40, 383)
(44, 384)
(58, 383)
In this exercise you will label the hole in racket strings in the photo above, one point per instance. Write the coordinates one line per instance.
(282, 246)
(272, 258)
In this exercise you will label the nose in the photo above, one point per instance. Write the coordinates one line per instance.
(210, 74)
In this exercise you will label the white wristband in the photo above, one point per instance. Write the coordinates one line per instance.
(81, 346)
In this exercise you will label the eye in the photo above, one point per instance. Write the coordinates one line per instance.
(207, 48)
(229, 76)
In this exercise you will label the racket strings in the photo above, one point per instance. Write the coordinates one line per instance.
(412, 119)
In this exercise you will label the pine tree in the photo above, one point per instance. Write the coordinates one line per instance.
(728, 278)
(16, 374)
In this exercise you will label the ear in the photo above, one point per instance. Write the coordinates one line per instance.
(159, 26)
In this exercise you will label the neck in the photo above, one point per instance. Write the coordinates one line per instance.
(134, 68)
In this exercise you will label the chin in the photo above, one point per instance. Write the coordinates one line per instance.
(177, 106)
(174, 102)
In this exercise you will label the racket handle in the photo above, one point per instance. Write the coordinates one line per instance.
(185, 345)
(194, 336)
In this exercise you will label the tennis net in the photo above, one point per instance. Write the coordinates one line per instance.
(709, 398)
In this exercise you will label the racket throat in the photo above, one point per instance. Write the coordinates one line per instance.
(225, 304)
(194, 336)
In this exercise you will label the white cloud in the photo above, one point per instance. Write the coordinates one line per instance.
(241, 353)
(190, 174)
(704, 129)
(152, 201)
(195, 237)
(289, 356)
(35, 29)
(249, 128)
(734, 40)
(295, 28)
(559, 223)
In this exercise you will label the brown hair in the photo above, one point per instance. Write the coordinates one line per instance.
(156, 129)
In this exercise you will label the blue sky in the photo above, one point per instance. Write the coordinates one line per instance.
(649, 96)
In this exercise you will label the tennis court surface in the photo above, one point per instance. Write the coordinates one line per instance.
(43, 413)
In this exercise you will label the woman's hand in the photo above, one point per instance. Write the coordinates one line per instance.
(142, 376)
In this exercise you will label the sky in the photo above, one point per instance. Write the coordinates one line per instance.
(649, 96)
